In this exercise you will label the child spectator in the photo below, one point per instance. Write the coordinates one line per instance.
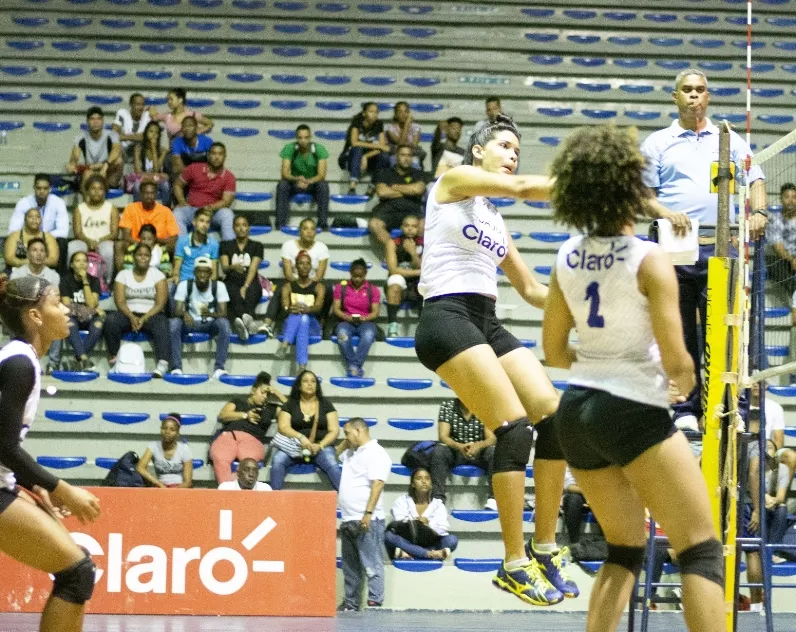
(463, 439)
(366, 146)
(245, 421)
(160, 256)
(366, 467)
(190, 147)
(146, 212)
(95, 224)
(356, 305)
(211, 187)
(171, 458)
(445, 150)
(403, 254)
(16, 246)
(96, 151)
(240, 259)
(420, 523)
(248, 472)
(141, 296)
(302, 299)
(80, 292)
(190, 247)
(201, 305)
(303, 171)
(403, 130)
(308, 426)
(150, 163)
(400, 190)
(129, 124)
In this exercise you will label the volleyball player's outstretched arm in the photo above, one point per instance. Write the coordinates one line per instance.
(17, 380)
(521, 278)
(556, 325)
(467, 181)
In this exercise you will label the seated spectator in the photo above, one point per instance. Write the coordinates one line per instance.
(95, 225)
(781, 246)
(189, 147)
(200, 305)
(366, 146)
(150, 163)
(403, 254)
(16, 246)
(356, 306)
(303, 171)
(97, 151)
(493, 107)
(463, 440)
(445, 150)
(400, 190)
(775, 432)
(160, 256)
(366, 467)
(36, 265)
(141, 296)
(403, 130)
(211, 187)
(129, 124)
(419, 529)
(54, 216)
(240, 259)
(308, 426)
(248, 472)
(171, 457)
(302, 299)
(319, 255)
(146, 212)
(80, 292)
(245, 421)
(190, 247)
(172, 120)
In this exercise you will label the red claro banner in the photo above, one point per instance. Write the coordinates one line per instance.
(199, 551)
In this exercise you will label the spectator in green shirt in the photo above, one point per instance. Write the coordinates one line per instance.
(303, 171)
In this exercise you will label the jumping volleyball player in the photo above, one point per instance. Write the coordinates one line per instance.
(620, 294)
(460, 338)
(30, 530)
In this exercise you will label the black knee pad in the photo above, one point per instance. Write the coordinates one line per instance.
(547, 446)
(705, 559)
(513, 446)
(629, 557)
(76, 583)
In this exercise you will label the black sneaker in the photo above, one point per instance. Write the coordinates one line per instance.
(346, 607)
(373, 604)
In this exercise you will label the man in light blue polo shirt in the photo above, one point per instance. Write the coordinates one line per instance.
(679, 160)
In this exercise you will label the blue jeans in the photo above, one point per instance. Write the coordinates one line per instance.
(222, 221)
(363, 551)
(80, 346)
(297, 331)
(218, 328)
(286, 190)
(375, 163)
(325, 460)
(394, 541)
(367, 336)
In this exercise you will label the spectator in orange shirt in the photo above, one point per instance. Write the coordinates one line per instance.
(147, 211)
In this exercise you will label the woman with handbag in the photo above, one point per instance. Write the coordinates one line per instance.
(419, 529)
(16, 247)
(308, 427)
(80, 293)
(149, 160)
(95, 224)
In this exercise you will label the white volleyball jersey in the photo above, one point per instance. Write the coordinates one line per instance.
(13, 348)
(617, 350)
(463, 244)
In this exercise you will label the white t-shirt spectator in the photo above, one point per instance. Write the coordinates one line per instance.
(169, 471)
(775, 417)
(319, 252)
(48, 274)
(404, 509)
(233, 485)
(128, 126)
(140, 295)
(96, 150)
(54, 216)
(361, 467)
(201, 299)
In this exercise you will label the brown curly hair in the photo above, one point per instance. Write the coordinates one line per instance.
(598, 188)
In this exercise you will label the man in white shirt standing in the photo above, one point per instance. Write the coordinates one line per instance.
(366, 466)
(248, 473)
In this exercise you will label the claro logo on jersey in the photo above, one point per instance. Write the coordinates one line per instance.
(147, 568)
(484, 239)
(581, 259)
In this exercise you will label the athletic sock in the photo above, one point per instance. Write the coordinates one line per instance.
(547, 549)
(520, 563)
(392, 313)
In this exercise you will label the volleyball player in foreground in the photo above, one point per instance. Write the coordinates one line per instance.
(613, 424)
(460, 338)
(30, 524)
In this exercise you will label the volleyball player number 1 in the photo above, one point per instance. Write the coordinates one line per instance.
(593, 295)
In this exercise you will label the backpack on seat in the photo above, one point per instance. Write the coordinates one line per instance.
(418, 455)
(124, 473)
(130, 359)
(97, 269)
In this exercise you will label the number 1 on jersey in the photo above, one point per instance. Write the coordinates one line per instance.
(593, 295)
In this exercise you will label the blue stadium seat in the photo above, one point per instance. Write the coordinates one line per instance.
(186, 379)
(636, 88)
(766, 93)
(375, 31)
(301, 468)
(739, 20)
(245, 77)
(125, 419)
(588, 40)
(68, 47)
(426, 108)
(332, 31)
(61, 462)
(550, 85)
(403, 342)
(473, 565)
(701, 18)
(641, 115)
(101, 99)
(376, 53)
(598, 113)
(201, 49)
(240, 132)
(631, 63)
(544, 270)
(349, 232)
(541, 38)
(549, 237)
(560, 384)
(245, 51)
(787, 45)
(378, 81)
(415, 10)
(331, 7)
(537, 204)
(352, 382)
(590, 86)
(619, 16)
(422, 82)
(136, 337)
(409, 384)
(67, 416)
(75, 376)
(666, 42)
(673, 64)
(349, 199)
(290, 6)
(157, 49)
(290, 29)
(250, 5)
(332, 53)
(18, 71)
(344, 266)
(467, 471)
(760, 67)
(333, 106)
(54, 97)
(116, 23)
(248, 27)
(401, 470)
(105, 462)
(302, 198)
(715, 65)
(410, 424)
(474, 515)
(194, 102)
(14, 97)
(153, 75)
(552, 141)
(515, 235)
(250, 196)
(777, 351)
(546, 60)
(774, 119)
(199, 76)
(129, 378)
(25, 45)
(330, 134)
(742, 44)
(238, 380)
(421, 55)
(419, 32)
(203, 26)
(188, 419)
(502, 202)
(164, 3)
(113, 47)
(732, 118)
(74, 23)
(539, 13)
(284, 104)
(161, 25)
(579, 14)
(375, 8)
(10, 126)
(333, 80)
(244, 104)
(254, 339)
(108, 73)
(555, 111)
(624, 40)
(31, 22)
(589, 62)
(417, 566)
(701, 42)
(784, 22)
(528, 344)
